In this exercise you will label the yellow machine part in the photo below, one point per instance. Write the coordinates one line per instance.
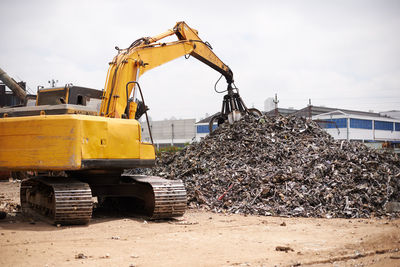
(72, 142)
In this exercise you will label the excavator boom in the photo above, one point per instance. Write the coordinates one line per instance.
(145, 54)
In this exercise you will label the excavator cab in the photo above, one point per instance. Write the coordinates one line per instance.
(60, 100)
(74, 95)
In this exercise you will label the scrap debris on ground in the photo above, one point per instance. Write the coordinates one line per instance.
(284, 166)
(9, 196)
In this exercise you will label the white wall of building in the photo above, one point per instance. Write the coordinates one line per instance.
(360, 134)
(387, 135)
(352, 133)
(170, 132)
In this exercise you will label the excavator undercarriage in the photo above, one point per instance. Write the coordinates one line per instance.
(80, 157)
(57, 200)
(66, 200)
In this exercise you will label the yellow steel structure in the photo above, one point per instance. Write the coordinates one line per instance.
(74, 142)
(145, 55)
(67, 142)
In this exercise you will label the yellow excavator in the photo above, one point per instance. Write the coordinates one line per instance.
(79, 140)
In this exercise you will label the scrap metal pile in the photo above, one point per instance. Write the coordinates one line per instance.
(284, 166)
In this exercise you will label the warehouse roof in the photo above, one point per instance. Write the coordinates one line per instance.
(316, 110)
(281, 111)
(207, 119)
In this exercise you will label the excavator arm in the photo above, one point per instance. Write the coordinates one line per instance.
(203, 51)
(146, 54)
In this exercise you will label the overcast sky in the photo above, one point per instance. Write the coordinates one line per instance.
(343, 54)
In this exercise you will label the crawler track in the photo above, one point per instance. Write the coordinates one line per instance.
(58, 200)
(151, 196)
(168, 198)
(61, 200)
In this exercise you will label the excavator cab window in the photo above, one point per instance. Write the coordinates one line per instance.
(81, 100)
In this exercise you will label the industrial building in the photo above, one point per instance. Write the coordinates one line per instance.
(8, 98)
(281, 111)
(374, 129)
(202, 127)
(354, 125)
(170, 132)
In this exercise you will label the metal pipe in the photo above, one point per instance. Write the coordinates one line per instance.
(172, 136)
(18, 91)
(145, 110)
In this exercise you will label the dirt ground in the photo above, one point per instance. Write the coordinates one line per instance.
(198, 239)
